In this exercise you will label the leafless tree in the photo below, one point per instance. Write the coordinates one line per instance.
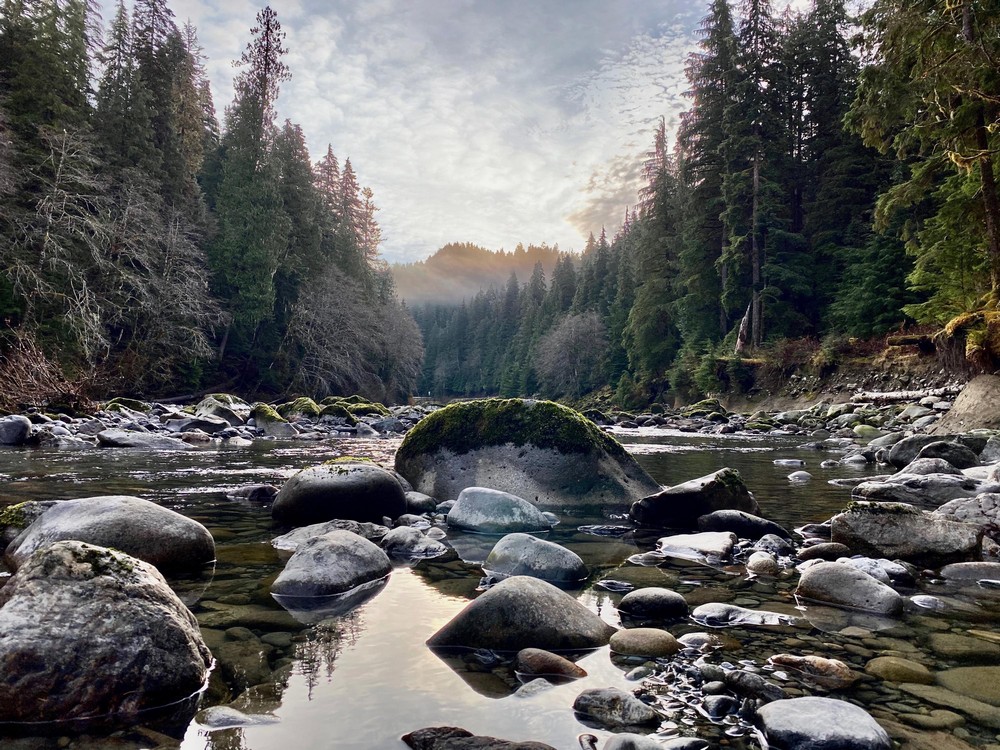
(568, 357)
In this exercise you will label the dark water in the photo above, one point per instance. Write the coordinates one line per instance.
(364, 679)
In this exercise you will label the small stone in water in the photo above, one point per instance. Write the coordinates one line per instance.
(799, 476)
(610, 584)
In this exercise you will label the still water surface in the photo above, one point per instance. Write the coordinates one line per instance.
(364, 679)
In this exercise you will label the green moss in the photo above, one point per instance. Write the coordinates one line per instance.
(304, 406)
(338, 410)
(117, 404)
(468, 425)
(355, 399)
(704, 408)
(760, 426)
(882, 509)
(367, 410)
(350, 460)
(227, 399)
(261, 413)
(13, 515)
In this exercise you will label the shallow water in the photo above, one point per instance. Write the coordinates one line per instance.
(364, 679)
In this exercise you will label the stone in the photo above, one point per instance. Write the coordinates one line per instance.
(900, 531)
(710, 546)
(824, 551)
(898, 669)
(537, 450)
(410, 542)
(653, 603)
(954, 647)
(16, 518)
(453, 738)
(418, 502)
(680, 506)
(976, 407)
(905, 450)
(829, 674)
(234, 410)
(814, 723)
(174, 543)
(930, 466)
(90, 632)
(272, 424)
(524, 612)
(763, 564)
(536, 662)
(972, 571)
(978, 711)
(334, 563)
(612, 707)
(526, 555)
(744, 525)
(290, 542)
(14, 430)
(630, 741)
(954, 453)
(845, 586)
(216, 718)
(345, 490)
(752, 685)
(649, 642)
(981, 683)
(488, 511)
(182, 422)
(720, 615)
(115, 438)
(982, 510)
(927, 490)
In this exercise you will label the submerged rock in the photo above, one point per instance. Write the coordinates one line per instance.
(846, 586)
(537, 662)
(707, 546)
(486, 511)
(162, 537)
(290, 542)
(612, 707)
(453, 738)
(115, 438)
(89, 632)
(813, 723)
(537, 450)
(334, 563)
(410, 542)
(653, 603)
(351, 491)
(523, 612)
(682, 505)
(652, 643)
(744, 525)
(526, 555)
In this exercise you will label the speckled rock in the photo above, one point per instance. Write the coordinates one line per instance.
(813, 723)
(898, 669)
(612, 707)
(526, 555)
(842, 585)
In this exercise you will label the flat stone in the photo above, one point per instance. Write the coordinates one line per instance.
(981, 683)
(954, 647)
(896, 669)
(976, 710)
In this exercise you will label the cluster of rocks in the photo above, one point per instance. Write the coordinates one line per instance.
(218, 419)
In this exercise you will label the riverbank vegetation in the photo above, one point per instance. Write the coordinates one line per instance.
(145, 248)
(832, 180)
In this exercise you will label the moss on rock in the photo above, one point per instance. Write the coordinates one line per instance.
(368, 410)
(468, 425)
(13, 515)
(303, 405)
(262, 412)
(228, 399)
(132, 404)
(338, 410)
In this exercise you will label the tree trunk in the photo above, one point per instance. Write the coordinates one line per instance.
(756, 303)
(724, 279)
(991, 204)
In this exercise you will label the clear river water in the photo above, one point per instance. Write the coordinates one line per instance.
(363, 679)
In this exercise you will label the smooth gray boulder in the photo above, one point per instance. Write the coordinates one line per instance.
(812, 723)
(977, 407)
(538, 450)
(418, 502)
(971, 571)
(901, 532)
(410, 542)
(653, 603)
(905, 450)
(14, 430)
(115, 438)
(89, 632)
(487, 511)
(926, 490)
(929, 466)
(339, 491)
(524, 612)
(234, 410)
(982, 510)
(612, 707)
(744, 525)
(174, 543)
(335, 563)
(185, 422)
(706, 546)
(680, 506)
(954, 453)
(291, 541)
(526, 555)
(845, 586)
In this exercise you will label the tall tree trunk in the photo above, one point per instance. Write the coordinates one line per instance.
(756, 303)
(724, 280)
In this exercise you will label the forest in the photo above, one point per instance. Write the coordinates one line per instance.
(148, 250)
(832, 179)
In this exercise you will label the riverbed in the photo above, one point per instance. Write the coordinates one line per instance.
(363, 679)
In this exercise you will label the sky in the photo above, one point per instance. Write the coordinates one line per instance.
(485, 121)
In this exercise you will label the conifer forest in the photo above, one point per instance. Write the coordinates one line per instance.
(833, 178)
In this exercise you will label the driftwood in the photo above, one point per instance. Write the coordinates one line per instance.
(923, 342)
(891, 397)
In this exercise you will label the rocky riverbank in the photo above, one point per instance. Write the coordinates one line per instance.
(845, 668)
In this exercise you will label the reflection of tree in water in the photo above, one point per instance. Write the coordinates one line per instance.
(318, 653)
(225, 739)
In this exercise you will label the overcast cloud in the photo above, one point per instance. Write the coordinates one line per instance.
(494, 122)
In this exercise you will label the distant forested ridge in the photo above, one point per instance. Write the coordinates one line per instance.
(834, 177)
(146, 249)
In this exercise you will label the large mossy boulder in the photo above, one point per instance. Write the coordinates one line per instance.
(233, 409)
(680, 506)
(174, 543)
(89, 632)
(272, 424)
(348, 491)
(537, 450)
(524, 612)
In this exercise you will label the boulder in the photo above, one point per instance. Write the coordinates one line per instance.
(16, 518)
(89, 632)
(410, 542)
(900, 531)
(14, 430)
(927, 490)
(979, 683)
(234, 410)
(823, 551)
(971, 571)
(339, 490)
(538, 450)
(290, 542)
(175, 544)
(418, 502)
(813, 723)
(115, 438)
(486, 511)
(898, 669)
(524, 612)
(977, 407)
(905, 450)
(706, 546)
(526, 555)
(536, 662)
(612, 707)
(762, 563)
(744, 525)
(953, 452)
(681, 505)
(925, 465)
(845, 586)
(453, 738)
(653, 603)
(982, 511)
(651, 643)
(272, 424)
(181, 422)
(335, 563)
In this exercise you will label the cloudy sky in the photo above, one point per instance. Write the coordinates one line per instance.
(486, 121)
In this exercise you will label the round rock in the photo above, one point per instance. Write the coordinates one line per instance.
(650, 642)
(821, 724)
(487, 511)
(653, 603)
(612, 707)
(352, 491)
(536, 662)
(526, 555)
(842, 585)
(334, 563)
